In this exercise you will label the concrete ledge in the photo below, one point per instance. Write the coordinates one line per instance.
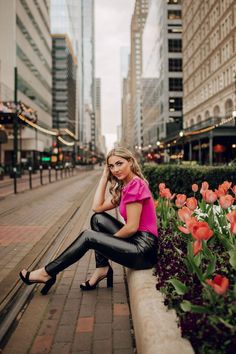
(155, 327)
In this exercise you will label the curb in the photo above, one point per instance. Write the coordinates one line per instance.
(155, 327)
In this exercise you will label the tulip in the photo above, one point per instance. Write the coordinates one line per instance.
(165, 193)
(194, 187)
(201, 231)
(219, 284)
(197, 247)
(191, 203)
(204, 186)
(226, 201)
(226, 185)
(209, 196)
(234, 189)
(231, 217)
(162, 186)
(156, 203)
(220, 192)
(187, 229)
(180, 200)
(184, 214)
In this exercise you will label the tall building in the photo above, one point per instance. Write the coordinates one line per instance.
(162, 89)
(25, 41)
(98, 141)
(209, 65)
(137, 25)
(127, 135)
(87, 98)
(64, 83)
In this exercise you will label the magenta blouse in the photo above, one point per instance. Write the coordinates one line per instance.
(137, 190)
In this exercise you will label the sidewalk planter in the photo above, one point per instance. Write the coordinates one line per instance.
(196, 263)
(155, 327)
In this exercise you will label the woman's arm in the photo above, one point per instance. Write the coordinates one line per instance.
(133, 211)
(101, 204)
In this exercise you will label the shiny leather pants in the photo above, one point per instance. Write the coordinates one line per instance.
(137, 251)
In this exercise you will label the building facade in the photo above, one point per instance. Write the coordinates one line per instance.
(209, 65)
(162, 88)
(26, 44)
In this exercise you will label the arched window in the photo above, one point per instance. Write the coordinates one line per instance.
(199, 118)
(207, 115)
(191, 122)
(228, 108)
(216, 111)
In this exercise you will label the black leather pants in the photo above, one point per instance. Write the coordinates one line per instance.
(138, 251)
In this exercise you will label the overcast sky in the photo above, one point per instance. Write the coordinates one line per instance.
(112, 31)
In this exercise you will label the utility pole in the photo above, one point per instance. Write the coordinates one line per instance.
(15, 133)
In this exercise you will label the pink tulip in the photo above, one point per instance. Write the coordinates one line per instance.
(234, 189)
(201, 231)
(162, 186)
(184, 214)
(191, 203)
(180, 200)
(219, 284)
(226, 201)
(194, 187)
(209, 196)
(204, 186)
(231, 217)
(220, 192)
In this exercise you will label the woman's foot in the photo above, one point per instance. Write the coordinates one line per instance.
(98, 275)
(38, 275)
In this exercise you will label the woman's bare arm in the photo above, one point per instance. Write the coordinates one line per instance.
(133, 211)
(101, 204)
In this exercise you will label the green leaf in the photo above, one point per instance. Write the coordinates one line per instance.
(232, 259)
(210, 268)
(178, 251)
(180, 287)
(186, 305)
(199, 309)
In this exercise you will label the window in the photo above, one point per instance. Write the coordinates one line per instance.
(174, 14)
(175, 45)
(175, 104)
(175, 84)
(175, 64)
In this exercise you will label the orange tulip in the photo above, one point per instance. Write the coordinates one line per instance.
(162, 186)
(156, 203)
(232, 219)
(225, 185)
(209, 196)
(191, 203)
(201, 231)
(234, 189)
(226, 201)
(194, 187)
(197, 247)
(219, 284)
(180, 200)
(187, 229)
(220, 192)
(204, 186)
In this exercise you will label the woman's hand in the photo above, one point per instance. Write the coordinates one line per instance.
(105, 173)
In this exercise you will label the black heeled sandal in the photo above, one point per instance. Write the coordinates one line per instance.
(48, 284)
(109, 277)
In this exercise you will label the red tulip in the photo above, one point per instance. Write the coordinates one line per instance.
(191, 203)
(209, 196)
(197, 247)
(226, 201)
(219, 284)
(201, 231)
(187, 229)
(180, 200)
(194, 187)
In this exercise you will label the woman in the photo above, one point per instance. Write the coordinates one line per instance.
(132, 244)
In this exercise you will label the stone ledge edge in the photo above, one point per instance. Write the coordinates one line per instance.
(155, 327)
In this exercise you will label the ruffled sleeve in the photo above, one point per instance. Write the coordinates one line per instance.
(136, 191)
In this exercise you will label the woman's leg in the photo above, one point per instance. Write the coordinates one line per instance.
(125, 252)
(103, 222)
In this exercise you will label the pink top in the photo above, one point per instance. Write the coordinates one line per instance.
(137, 190)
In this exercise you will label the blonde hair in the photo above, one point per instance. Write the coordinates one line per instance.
(116, 185)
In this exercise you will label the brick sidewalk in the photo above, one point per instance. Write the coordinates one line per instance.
(68, 320)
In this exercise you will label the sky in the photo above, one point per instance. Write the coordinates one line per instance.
(112, 31)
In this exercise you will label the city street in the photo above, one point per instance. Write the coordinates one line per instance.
(34, 226)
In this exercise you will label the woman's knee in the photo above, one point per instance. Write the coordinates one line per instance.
(95, 220)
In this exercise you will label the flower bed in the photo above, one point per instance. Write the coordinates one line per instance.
(196, 267)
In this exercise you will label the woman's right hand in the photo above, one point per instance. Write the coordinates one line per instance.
(106, 172)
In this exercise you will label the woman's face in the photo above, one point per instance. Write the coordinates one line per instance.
(120, 167)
